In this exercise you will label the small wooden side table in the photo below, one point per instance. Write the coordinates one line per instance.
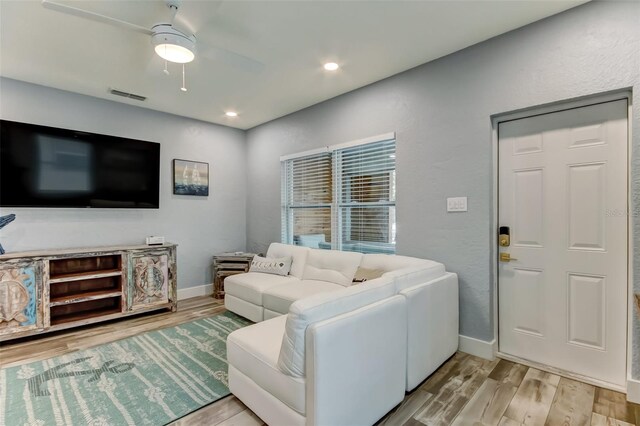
(226, 264)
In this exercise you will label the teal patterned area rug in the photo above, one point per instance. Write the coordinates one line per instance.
(149, 379)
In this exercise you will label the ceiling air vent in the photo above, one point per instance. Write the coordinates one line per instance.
(127, 95)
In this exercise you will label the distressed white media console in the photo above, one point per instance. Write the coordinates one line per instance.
(43, 291)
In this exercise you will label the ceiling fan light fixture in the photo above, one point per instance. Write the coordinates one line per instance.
(174, 53)
(173, 45)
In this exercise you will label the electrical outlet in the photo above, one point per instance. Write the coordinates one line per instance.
(457, 204)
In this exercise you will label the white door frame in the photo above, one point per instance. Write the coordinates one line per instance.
(633, 386)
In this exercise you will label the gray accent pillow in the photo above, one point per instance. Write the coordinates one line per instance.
(267, 265)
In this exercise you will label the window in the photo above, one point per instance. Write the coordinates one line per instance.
(342, 197)
(307, 197)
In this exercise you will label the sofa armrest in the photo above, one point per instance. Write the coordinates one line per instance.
(356, 364)
(432, 326)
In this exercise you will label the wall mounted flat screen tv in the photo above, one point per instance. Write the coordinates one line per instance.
(49, 167)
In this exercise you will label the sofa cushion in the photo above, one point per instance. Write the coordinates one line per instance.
(320, 307)
(332, 266)
(249, 310)
(254, 352)
(271, 265)
(280, 297)
(406, 271)
(390, 262)
(297, 253)
(414, 275)
(250, 286)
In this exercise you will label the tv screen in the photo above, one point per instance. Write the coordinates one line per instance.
(49, 167)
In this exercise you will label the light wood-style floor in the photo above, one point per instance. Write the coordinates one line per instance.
(466, 390)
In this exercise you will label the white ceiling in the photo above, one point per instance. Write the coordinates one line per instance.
(371, 40)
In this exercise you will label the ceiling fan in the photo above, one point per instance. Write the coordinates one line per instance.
(170, 42)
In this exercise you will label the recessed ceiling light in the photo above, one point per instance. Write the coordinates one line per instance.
(331, 66)
(231, 114)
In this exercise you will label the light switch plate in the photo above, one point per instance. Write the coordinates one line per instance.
(457, 204)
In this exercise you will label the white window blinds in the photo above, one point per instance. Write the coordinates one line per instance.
(307, 198)
(342, 199)
(366, 185)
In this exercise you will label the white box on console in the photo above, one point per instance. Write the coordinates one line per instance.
(155, 241)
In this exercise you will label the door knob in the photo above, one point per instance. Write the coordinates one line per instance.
(506, 257)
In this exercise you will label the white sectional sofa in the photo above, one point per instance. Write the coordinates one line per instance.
(327, 351)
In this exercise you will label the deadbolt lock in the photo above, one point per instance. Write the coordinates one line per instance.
(504, 239)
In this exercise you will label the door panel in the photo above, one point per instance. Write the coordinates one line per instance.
(563, 297)
(587, 206)
(527, 144)
(528, 206)
(587, 310)
(528, 301)
(588, 135)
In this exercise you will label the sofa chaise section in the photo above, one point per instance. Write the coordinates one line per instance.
(259, 296)
(331, 361)
(244, 292)
(254, 351)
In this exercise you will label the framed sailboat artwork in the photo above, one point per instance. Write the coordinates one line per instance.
(190, 178)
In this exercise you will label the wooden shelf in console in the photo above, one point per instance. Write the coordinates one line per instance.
(83, 312)
(97, 263)
(84, 297)
(85, 275)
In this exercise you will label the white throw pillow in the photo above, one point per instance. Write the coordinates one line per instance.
(266, 265)
(297, 253)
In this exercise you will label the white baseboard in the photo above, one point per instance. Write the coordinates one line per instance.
(481, 348)
(199, 290)
(633, 391)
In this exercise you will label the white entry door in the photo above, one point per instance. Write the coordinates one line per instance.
(563, 195)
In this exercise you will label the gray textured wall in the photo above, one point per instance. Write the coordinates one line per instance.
(201, 226)
(442, 113)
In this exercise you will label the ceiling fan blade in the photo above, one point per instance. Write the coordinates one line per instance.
(212, 28)
(232, 58)
(178, 20)
(81, 13)
(182, 25)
